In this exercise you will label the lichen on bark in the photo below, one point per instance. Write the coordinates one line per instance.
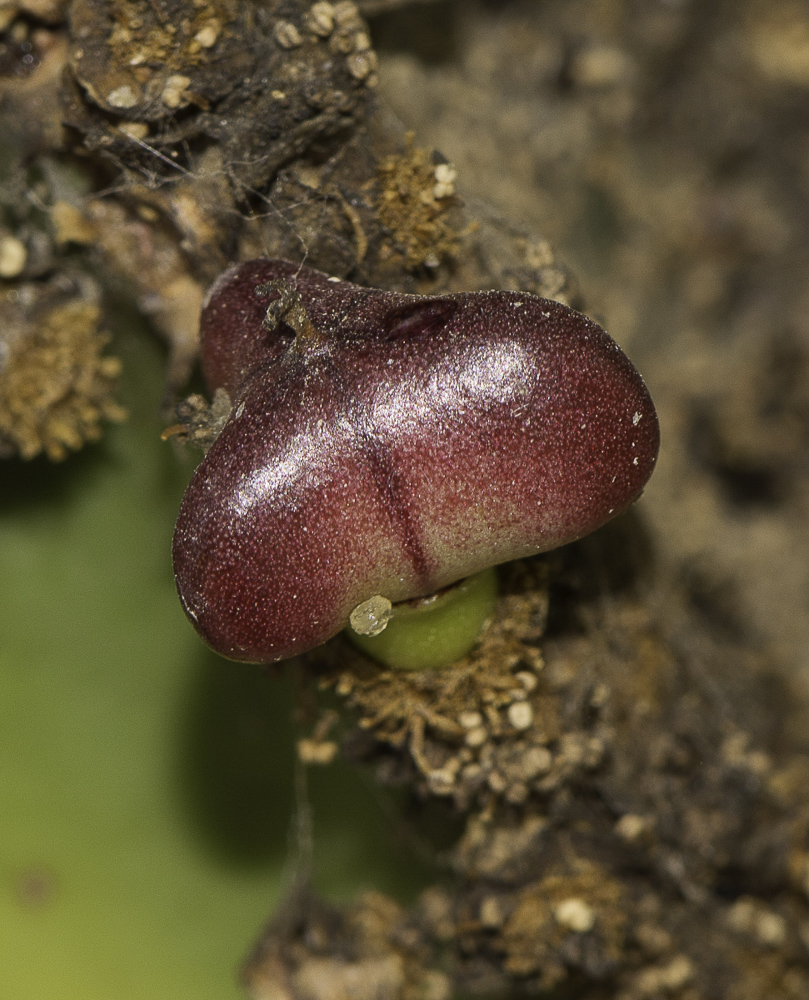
(57, 386)
(631, 821)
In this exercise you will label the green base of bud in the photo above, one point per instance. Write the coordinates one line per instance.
(432, 632)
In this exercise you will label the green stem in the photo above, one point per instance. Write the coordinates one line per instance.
(435, 631)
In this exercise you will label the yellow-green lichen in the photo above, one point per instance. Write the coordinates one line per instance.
(414, 201)
(56, 386)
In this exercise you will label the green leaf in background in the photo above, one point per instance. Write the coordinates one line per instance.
(145, 784)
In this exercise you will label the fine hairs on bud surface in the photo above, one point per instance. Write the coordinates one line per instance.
(387, 445)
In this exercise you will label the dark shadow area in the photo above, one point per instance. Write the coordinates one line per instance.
(40, 482)
(715, 599)
(237, 759)
(362, 838)
(617, 559)
(427, 31)
(746, 478)
(237, 782)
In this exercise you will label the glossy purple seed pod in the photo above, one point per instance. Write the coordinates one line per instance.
(410, 443)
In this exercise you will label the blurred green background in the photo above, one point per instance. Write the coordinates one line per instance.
(145, 784)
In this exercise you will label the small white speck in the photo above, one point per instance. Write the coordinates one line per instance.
(575, 914)
(207, 36)
(445, 176)
(527, 679)
(630, 826)
(636, 418)
(13, 255)
(174, 90)
(520, 715)
(635, 461)
(445, 173)
(516, 304)
(122, 97)
(476, 737)
(582, 426)
(337, 280)
(239, 411)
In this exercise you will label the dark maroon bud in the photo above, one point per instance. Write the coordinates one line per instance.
(388, 444)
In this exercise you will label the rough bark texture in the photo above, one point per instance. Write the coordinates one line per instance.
(619, 751)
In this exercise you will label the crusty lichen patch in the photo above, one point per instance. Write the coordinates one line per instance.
(477, 731)
(582, 913)
(136, 38)
(607, 797)
(56, 384)
(370, 950)
(416, 194)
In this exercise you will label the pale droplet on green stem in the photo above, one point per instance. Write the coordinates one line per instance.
(431, 632)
